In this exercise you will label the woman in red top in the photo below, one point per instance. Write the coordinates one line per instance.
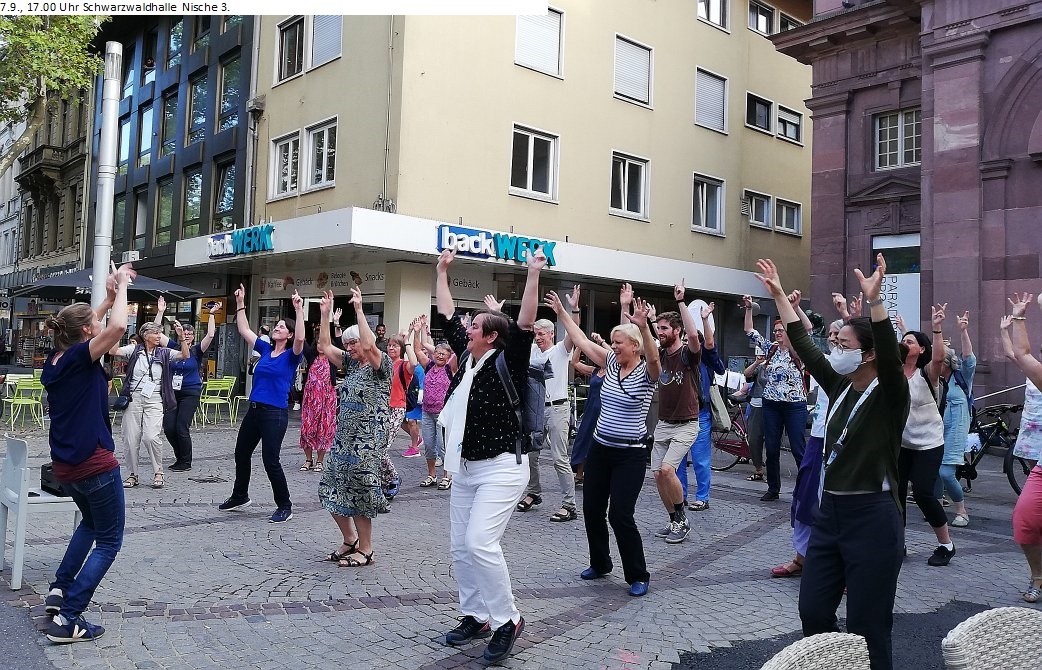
(392, 482)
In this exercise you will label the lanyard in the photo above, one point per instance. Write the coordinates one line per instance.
(149, 361)
(832, 412)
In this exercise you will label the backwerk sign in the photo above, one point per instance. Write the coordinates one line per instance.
(241, 242)
(485, 244)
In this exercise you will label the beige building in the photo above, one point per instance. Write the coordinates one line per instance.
(643, 141)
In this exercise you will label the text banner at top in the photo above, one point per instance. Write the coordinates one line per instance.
(254, 7)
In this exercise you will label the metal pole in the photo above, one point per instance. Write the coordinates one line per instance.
(106, 170)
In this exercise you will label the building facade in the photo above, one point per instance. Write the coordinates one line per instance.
(927, 142)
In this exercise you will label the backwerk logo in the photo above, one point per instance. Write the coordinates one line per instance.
(483, 244)
(239, 242)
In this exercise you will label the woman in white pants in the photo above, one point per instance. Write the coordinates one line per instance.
(149, 386)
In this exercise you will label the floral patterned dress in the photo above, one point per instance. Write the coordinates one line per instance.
(318, 410)
(1029, 441)
(350, 484)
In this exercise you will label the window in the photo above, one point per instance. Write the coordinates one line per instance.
(284, 169)
(233, 21)
(714, 11)
(148, 58)
(197, 108)
(173, 45)
(759, 208)
(202, 31)
(325, 38)
(632, 71)
(119, 224)
(124, 146)
(787, 23)
(291, 48)
(533, 162)
(144, 151)
(538, 43)
(322, 143)
(711, 101)
(140, 218)
(168, 133)
(790, 124)
(128, 72)
(758, 112)
(224, 198)
(164, 212)
(788, 217)
(629, 185)
(898, 139)
(761, 18)
(193, 209)
(230, 86)
(706, 212)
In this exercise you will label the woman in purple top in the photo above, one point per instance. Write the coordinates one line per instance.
(440, 365)
(82, 453)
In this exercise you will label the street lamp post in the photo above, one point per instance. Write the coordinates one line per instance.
(106, 171)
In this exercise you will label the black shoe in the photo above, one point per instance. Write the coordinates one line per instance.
(180, 467)
(468, 629)
(941, 556)
(503, 640)
(234, 503)
(770, 495)
(55, 600)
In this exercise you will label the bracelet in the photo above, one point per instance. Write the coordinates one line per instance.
(1019, 318)
(241, 309)
(873, 303)
(937, 332)
(575, 311)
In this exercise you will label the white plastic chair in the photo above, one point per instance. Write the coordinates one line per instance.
(1005, 637)
(826, 651)
(19, 496)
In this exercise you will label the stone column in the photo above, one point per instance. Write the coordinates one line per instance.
(828, 185)
(407, 293)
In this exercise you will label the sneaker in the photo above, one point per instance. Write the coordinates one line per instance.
(55, 600)
(180, 467)
(770, 495)
(234, 503)
(941, 556)
(960, 521)
(438, 462)
(282, 515)
(63, 631)
(468, 629)
(411, 452)
(296, 407)
(391, 491)
(678, 531)
(664, 531)
(503, 640)
(945, 502)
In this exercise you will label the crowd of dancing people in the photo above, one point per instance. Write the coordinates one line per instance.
(892, 408)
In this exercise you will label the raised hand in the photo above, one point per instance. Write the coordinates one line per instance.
(794, 298)
(1019, 303)
(325, 305)
(356, 298)
(298, 302)
(641, 309)
(240, 296)
(216, 307)
(180, 330)
(125, 274)
(161, 304)
(626, 295)
(768, 275)
(840, 303)
(553, 301)
(446, 257)
(573, 298)
(901, 323)
(855, 304)
(747, 301)
(872, 285)
(337, 313)
(596, 339)
(1005, 322)
(494, 305)
(707, 310)
(679, 290)
(937, 315)
(536, 260)
(652, 312)
(964, 321)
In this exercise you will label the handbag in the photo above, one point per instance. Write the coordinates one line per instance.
(721, 417)
(121, 403)
(47, 481)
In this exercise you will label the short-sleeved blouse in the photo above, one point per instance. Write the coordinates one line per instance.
(782, 378)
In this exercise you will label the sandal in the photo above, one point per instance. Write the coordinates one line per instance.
(337, 556)
(317, 468)
(793, 568)
(429, 481)
(755, 477)
(529, 501)
(307, 466)
(565, 514)
(1034, 593)
(445, 484)
(352, 562)
(130, 482)
(157, 481)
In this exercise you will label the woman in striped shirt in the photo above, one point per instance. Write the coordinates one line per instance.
(615, 466)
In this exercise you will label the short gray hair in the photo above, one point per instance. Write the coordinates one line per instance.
(544, 324)
(350, 333)
(951, 359)
(148, 329)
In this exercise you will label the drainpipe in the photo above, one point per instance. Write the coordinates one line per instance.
(110, 94)
(251, 155)
(88, 139)
(387, 118)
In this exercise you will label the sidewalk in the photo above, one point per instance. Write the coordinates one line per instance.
(198, 588)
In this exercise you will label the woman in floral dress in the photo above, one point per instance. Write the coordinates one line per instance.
(350, 486)
(318, 411)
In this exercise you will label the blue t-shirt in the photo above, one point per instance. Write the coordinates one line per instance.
(78, 395)
(188, 368)
(273, 376)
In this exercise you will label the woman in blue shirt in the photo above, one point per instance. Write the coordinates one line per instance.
(959, 374)
(268, 416)
(82, 452)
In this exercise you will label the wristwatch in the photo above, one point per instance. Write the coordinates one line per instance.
(873, 303)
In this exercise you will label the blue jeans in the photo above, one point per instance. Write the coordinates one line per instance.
(701, 454)
(265, 424)
(100, 499)
(946, 481)
(792, 416)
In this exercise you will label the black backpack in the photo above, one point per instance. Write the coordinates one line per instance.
(412, 393)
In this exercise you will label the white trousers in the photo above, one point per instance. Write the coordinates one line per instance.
(143, 427)
(483, 496)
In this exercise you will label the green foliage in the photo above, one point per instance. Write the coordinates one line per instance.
(41, 54)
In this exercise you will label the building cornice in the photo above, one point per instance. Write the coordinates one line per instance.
(960, 49)
(996, 169)
(840, 32)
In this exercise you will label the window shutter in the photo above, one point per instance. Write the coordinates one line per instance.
(710, 101)
(539, 42)
(632, 70)
(786, 115)
(326, 43)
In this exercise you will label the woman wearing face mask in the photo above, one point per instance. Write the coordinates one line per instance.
(858, 535)
(958, 374)
(922, 443)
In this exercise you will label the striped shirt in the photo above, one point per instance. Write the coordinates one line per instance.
(624, 404)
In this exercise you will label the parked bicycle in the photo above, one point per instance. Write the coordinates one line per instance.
(731, 447)
(992, 429)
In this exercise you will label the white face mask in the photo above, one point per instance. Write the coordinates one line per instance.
(845, 361)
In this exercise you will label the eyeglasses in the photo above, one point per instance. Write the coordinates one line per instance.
(839, 345)
(350, 342)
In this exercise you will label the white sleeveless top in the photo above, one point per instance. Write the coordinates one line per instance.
(924, 429)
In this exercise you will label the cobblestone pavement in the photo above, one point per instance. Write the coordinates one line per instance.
(194, 587)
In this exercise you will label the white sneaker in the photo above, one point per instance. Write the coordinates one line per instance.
(961, 521)
(296, 407)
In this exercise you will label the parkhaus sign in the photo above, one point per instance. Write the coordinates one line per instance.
(485, 244)
(240, 242)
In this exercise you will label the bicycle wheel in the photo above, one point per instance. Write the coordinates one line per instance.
(1016, 468)
(725, 447)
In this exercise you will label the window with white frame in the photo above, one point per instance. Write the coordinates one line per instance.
(758, 112)
(322, 152)
(533, 162)
(786, 22)
(291, 48)
(629, 189)
(326, 37)
(632, 71)
(790, 124)
(759, 206)
(707, 212)
(761, 18)
(710, 100)
(898, 138)
(538, 42)
(714, 11)
(285, 155)
(788, 217)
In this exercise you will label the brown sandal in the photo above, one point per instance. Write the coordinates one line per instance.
(793, 568)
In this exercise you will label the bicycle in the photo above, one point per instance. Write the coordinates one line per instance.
(992, 429)
(731, 447)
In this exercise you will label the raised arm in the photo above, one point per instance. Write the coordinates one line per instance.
(325, 347)
(580, 367)
(693, 345)
(110, 335)
(933, 368)
(592, 351)
(241, 322)
(964, 328)
(183, 352)
(418, 345)
(160, 310)
(573, 309)
(794, 300)
(536, 261)
(840, 303)
(298, 333)
(625, 302)
(366, 336)
(747, 307)
(211, 328)
(446, 306)
(1021, 344)
(710, 333)
(639, 317)
(110, 291)
(410, 349)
